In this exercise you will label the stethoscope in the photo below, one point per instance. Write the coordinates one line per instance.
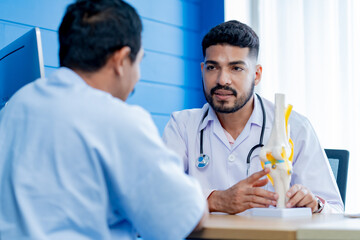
(204, 159)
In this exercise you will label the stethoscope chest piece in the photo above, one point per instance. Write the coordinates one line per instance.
(202, 161)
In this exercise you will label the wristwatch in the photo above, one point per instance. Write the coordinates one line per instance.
(320, 205)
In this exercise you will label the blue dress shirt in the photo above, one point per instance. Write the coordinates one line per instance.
(77, 163)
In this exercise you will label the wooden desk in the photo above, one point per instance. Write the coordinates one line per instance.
(245, 227)
(331, 227)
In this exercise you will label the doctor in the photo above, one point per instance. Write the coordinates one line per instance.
(220, 142)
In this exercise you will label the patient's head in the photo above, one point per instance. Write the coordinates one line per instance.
(92, 30)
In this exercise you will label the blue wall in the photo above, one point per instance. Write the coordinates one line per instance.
(173, 29)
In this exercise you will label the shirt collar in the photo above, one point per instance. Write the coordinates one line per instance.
(211, 116)
(65, 75)
(256, 117)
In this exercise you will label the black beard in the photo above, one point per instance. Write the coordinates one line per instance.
(239, 103)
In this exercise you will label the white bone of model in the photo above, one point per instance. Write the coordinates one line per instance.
(277, 153)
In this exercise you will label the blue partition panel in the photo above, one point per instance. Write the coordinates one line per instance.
(183, 14)
(160, 121)
(40, 13)
(163, 99)
(168, 69)
(165, 38)
(51, 47)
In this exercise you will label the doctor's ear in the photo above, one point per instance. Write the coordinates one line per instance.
(258, 74)
(121, 59)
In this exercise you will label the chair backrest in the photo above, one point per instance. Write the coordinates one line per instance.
(339, 162)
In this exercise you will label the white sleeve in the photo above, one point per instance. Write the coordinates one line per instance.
(312, 168)
(175, 139)
(331, 208)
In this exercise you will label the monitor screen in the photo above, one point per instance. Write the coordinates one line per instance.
(21, 62)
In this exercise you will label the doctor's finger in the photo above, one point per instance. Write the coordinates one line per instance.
(256, 176)
(256, 191)
(309, 200)
(256, 205)
(293, 190)
(261, 182)
(297, 197)
(260, 200)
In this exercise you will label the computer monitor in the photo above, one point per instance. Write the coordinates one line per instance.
(21, 62)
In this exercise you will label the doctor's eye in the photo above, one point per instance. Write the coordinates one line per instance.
(237, 69)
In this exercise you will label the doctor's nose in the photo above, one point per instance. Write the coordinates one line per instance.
(224, 78)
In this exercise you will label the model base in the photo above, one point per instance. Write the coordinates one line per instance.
(280, 212)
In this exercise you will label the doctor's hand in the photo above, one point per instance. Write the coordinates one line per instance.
(300, 196)
(243, 195)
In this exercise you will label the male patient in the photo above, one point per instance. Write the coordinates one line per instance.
(76, 161)
(230, 125)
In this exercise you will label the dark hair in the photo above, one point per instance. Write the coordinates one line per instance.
(92, 30)
(233, 33)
